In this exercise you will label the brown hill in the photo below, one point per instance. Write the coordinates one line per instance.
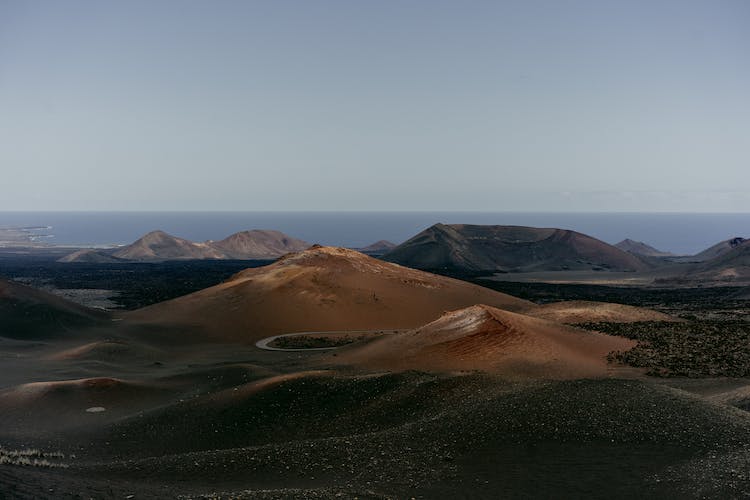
(510, 249)
(158, 245)
(378, 248)
(258, 244)
(27, 313)
(320, 289)
(89, 255)
(485, 338)
(581, 311)
(640, 248)
(718, 249)
(730, 266)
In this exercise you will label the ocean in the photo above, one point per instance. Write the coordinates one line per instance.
(681, 233)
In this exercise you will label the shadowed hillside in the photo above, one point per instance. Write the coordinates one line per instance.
(510, 249)
(731, 265)
(640, 248)
(27, 313)
(717, 250)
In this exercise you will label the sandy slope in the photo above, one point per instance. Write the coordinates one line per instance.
(489, 339)
(110, 350)
(51, 406)
(320, 289)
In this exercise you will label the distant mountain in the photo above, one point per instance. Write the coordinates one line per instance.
(718, 249)
(727, 262)
(258, 244)
(90, 255)
(640, 248)
(732, 265)
(378, 248)
(160, 246)
(463, 247)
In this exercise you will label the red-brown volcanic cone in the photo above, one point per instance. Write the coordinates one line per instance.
(489, 339)
(320, 289)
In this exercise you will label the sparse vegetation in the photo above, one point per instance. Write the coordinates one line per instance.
(689, 349)
(312, 342)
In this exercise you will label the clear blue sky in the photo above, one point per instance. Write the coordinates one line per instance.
(464, 105)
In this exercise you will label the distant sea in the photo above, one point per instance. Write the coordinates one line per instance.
(682, 233)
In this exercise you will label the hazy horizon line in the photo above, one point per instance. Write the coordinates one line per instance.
(347, 210)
